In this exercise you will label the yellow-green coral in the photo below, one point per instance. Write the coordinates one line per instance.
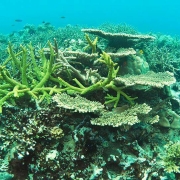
(103, 83)
(119, 92)
(91, 44)
(112, 72)
(22, 75)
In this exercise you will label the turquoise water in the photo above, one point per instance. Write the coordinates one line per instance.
(147, 16)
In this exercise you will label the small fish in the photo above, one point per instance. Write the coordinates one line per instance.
(47, 23)
(63, 17)
(18, 20)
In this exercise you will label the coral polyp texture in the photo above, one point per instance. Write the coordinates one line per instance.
(89, 104)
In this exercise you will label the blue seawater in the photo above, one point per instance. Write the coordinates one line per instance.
(145, 15)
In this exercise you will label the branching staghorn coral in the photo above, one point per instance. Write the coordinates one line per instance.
(102, 83)
(26, 76)
(91, 44)
(112, 72)
(35, 78)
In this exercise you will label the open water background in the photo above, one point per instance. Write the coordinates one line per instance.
(159, 16)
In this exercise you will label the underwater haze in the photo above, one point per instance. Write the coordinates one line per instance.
(146, 16)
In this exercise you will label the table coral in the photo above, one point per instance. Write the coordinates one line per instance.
(120, 39)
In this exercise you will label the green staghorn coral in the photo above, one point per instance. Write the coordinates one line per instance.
(91, 44)
(112, 72)
(22, 74)
(103, 83)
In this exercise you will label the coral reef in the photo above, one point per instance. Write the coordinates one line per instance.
(163, 54)
(71, 112)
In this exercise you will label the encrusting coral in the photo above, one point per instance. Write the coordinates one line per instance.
(134, 65)
(56, 132)
(164, 113)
